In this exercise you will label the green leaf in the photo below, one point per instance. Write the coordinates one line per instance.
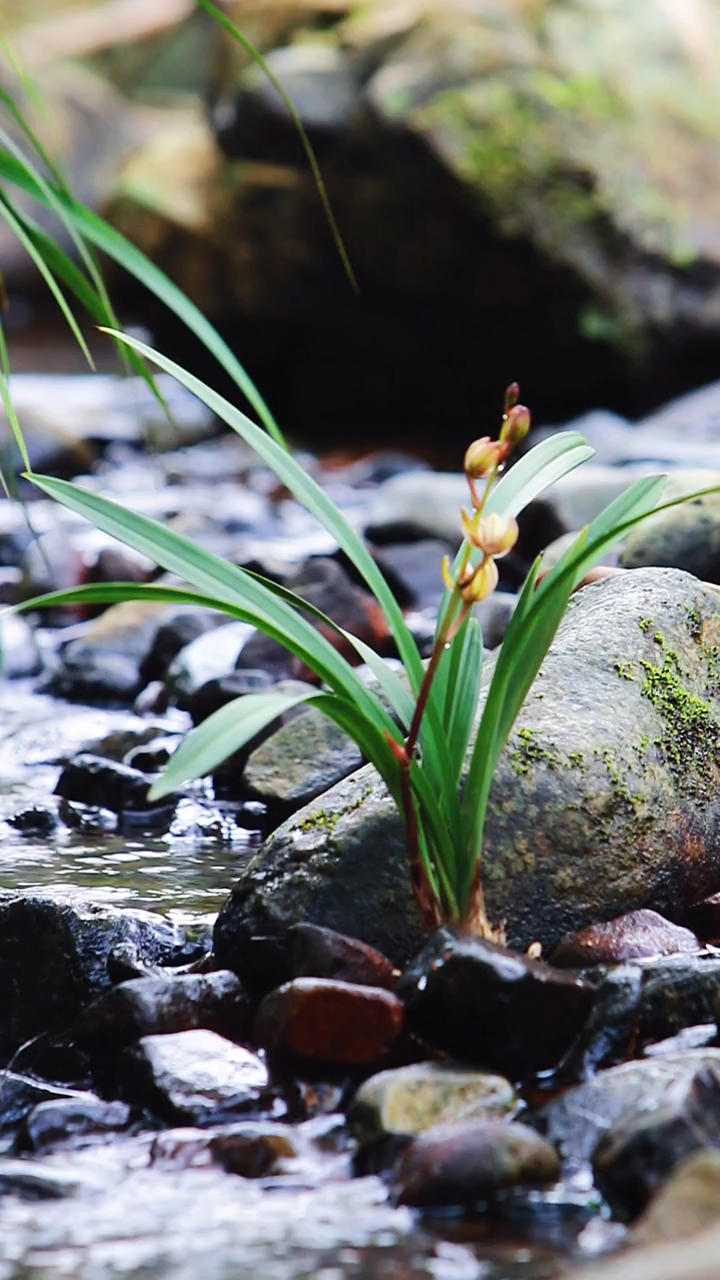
(99, 233)
(257, 57)
(221, 735)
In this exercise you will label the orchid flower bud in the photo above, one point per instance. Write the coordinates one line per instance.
(516, 425)
(483, 582)
(512, 395)
(496, 534)
(482, 455)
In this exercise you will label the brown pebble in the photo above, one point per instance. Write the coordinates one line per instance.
(330, 1021)
(635, 936)
(462, 1163)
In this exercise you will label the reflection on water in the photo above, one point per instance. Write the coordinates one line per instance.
(184, 879)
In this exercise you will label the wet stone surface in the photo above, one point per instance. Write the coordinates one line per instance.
(193, 1076)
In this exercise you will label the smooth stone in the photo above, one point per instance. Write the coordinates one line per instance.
(21, 1094)
(193, 1075)
(685, 537)
(665, 1261)
(643, 1146)
(644, 1002)
(330, 1021)
(105, 662)
(106, 783)
(577, 1119)
(637, 935)
(300, 761)
(459, 1164)
(322, 953)
(54, 949)
(414, 570)
(215, 693)
(157, 1006)
(612, 751)
(182, 625)
(254, 1149)
(492, 1007)
(414, 1098)
(53, 1123)
(687, 1202)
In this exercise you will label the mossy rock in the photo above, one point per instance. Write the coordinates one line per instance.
(606, 798)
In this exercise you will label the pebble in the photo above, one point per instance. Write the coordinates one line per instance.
(53, 1123)
(636, 935)
(330, 1021)
(322, 953)
(459, 1164)
(414, 1098)
(194, 1076)
(157, 1006)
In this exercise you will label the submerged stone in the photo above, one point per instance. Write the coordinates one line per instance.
(606, 798)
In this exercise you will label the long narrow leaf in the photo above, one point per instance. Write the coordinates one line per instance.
(221, 735)
(99, 233)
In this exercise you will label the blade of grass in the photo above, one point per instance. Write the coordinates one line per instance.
(257, 57)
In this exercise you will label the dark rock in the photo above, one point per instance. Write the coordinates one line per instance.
(459, 1164)
(330, 1021)
(213, 694)
(50, 563)
(406, 1100)
(35, 821)
(704, 918)
(323, 583)
(52, 1124)
(633, 936)
(577, 1119)
(22, 1094)
(88, 818)
(151, 757)
(193, 1076)
(322, 953)
(95, 781)
(493, 1007)
(254, 1150)
(642, 1147)
(612, 750)
(637, 1004)
(156, 1006)
(298, 762)
(414, 570)
(29, 1180)
(687, 1202)
(54, 950)
(209, 657)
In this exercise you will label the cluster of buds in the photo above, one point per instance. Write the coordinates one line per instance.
(493, 535)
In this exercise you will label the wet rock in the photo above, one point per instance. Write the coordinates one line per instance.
(90, 819)
(462, 1163)
(54, 950)
(198, 822)
(36, 821)
(414, 570)
(93, 780)
(323, 583)
(633, 936)
(322, 953)
(152, 756)
(52, 1124)
(414, 1098)
(105, 662)
(612, 750)
(685, 537)
(577, 1119)
(330, 1021)
(50, 563)
(158, 1006)
(687, 1202)
(300, 761)
(209, 657)
(637, 1004)
(254, 1149)
(213, 694)
(641, 1148)
(493, 1007)
(193, 1076)
(34, 1181)
(22, 1094)
(19, 654)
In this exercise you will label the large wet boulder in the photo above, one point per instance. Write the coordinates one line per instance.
(606, 798)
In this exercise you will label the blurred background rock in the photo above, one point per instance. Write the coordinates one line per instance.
(526, 189)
